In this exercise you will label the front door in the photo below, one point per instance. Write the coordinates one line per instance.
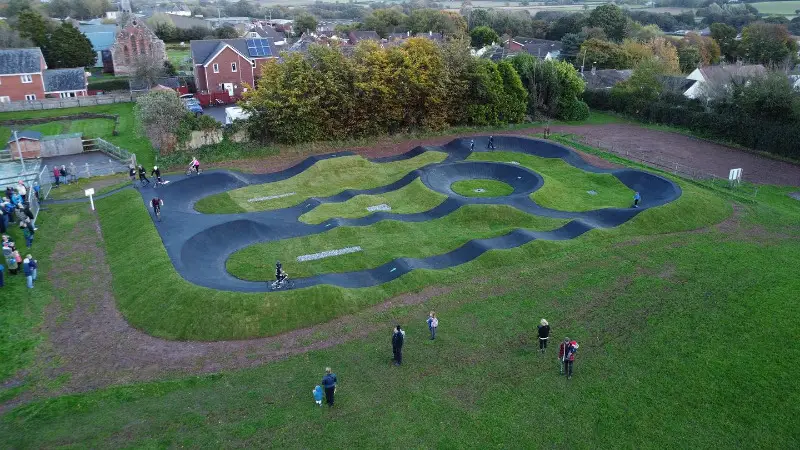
(228, 87)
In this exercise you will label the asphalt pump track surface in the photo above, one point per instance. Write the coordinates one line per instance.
(200, 244)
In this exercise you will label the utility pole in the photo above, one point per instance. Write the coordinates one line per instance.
(21, 161)
(584, 60)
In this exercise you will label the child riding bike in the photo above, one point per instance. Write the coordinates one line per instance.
(194, 167)
(157, 203)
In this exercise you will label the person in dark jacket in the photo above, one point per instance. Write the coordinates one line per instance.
(398, 337)
(143, 175)
(491, 143)
(329, 384)
(544, 334)
(566, 353)
(63, 172)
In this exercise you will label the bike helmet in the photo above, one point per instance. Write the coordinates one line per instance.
(155, 167)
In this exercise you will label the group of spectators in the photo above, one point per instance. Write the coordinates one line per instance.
(15, 209)
(566, 356)
(62, 175)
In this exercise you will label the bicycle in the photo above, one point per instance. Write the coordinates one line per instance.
(157, 212)
(192, 169)
(283, 283)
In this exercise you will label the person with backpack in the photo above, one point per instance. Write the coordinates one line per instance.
(566, 353)
(544, 334)
(398, 337)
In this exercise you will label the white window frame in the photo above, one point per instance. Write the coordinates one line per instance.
(26, 78)
(234, 67)
(30, 97)
(215, 68)
(5, 99)
(253, 63)
(67, 94)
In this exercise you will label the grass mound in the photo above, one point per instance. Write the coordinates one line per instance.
(567, 188)
(323, 179)
(413, 198)
(481, 188)
(383, 242)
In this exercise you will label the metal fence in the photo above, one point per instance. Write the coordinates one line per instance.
(120, 153)
(73, 102)
(658, 161)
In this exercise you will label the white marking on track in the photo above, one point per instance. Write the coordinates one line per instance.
(270, 197)
(329, 253)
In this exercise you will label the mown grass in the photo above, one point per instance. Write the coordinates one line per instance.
(21, 309)
(101, 185)
(127, 137)
(412, 198)
(323, 179)
(383, 242)
(567, 188)
(481, 188)
(684, 340)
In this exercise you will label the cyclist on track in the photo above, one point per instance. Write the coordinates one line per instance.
(157, 173)
(195, 165)
(280, 275)
(157, 203)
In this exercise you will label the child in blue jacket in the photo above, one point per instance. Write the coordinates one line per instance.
(318, 395)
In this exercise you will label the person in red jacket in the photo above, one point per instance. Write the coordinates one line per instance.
(566, 354)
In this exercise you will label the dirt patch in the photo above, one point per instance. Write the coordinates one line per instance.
(622, 138)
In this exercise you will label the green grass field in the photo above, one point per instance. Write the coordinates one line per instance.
(687, 330)
(787, 8)
(383, 242)
(412, 198)
(325, 178)
(127, 138)
(481, 188)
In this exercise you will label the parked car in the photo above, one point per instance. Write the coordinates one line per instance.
(233, 113)
(192, 104)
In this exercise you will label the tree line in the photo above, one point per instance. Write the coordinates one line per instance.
(325, 95)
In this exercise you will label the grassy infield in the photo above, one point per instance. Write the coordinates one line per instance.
(694, 328)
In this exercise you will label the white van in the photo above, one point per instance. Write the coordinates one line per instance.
(233, 113)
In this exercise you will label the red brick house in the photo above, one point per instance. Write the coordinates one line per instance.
(223, 68)
(24, 77)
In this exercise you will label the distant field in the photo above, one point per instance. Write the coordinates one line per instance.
(778, 8)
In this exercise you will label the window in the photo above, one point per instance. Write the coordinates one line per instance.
(67, 94)
(253, 63)
(216, 68)
(30, 97)
(26, 78)
(5, 99)
(233, 67)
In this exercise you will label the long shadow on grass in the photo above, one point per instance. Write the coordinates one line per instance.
(199, 244)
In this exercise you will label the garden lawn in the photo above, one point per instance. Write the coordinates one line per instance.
(566, 187)
(127, 138)
(672, 355)
(412, 198)
(323, 179)
(787, 8)
(384, 241)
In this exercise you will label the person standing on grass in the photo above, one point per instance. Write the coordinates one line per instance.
(56, 175)
(566, 353)
(636, 199)
(132, 173)
(433, 322)
(63, 173)
(37, 191)
(23, 192)
(398, 338)
(329, 384)
(26, 270)
(34, 266)
(28, 233)
(544, 334)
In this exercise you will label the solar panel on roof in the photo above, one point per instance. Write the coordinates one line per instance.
(259, 47)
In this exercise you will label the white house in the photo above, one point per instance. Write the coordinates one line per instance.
(710, 77)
